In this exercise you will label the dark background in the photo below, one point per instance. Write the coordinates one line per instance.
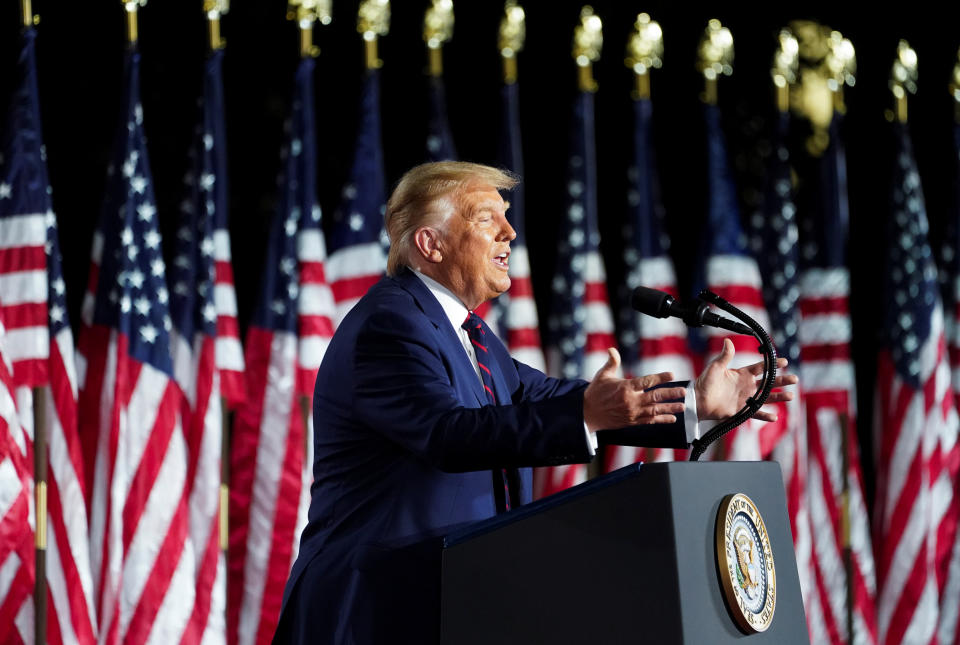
(80, 57)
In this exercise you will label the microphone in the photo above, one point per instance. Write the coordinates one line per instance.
(660, 304)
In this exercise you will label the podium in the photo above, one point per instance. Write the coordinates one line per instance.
(629, 557)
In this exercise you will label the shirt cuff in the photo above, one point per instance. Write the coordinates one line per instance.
(691, 423)
(591, 440)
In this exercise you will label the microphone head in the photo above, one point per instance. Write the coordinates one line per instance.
(651, 302)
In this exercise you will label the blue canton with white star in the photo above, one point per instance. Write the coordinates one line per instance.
(911, 289)
(297, 210)
(24, 183)
(643, 231)
(359, 218)
(203, 209)
(775, 245)
(131, 292)
(578, 237)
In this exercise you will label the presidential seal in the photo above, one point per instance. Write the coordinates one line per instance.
(745, 563)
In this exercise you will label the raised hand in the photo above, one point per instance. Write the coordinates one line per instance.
(721, 391)
(611, 402)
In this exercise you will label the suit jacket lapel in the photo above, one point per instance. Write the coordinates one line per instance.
(450, 341)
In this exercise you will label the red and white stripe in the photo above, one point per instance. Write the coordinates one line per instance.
(829, 396)
(521, 325)
(910, 432)
(351, 271)
(515, 319)
(266, 496)
(16, 526)
(949, 566)
(24, 287)
(598, 325)
(141, 555)
(316, 308)
(23, 295)
(229, 353)
(196, 373)
(70, 616)
(736, 279)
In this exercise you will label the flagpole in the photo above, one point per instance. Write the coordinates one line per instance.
(40, 494)
(512, 34)
(437, 29)
(373, 21)
(306, 13)
(214, 9)
(715, 57)
(131, 7)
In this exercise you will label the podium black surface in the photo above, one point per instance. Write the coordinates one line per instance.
(626, 558)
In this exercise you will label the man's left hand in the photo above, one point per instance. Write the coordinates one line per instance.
(722, 391)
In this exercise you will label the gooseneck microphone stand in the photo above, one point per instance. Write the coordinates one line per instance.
(754, 402)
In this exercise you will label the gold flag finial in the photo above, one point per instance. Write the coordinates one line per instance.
(131, 7)
(214, 9)
(715, 57)
(644, 51)
(373, 21)
(786, 62)
(587, 44)
(513, 32)
(903, 78)
(437, 29)
(305, 13)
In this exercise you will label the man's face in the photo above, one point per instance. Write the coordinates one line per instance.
(476, 247)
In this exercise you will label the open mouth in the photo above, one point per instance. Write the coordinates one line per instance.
(502, 260)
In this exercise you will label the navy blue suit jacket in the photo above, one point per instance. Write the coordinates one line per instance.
(404, 443)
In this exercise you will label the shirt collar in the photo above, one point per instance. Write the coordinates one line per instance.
(454, 309)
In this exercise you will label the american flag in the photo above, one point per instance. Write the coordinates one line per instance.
(17, 571)
(842, 555)
(949, 579)
(916, 419)
(33, 304)
(648, 345)
(516, 309)
(202, 303)
(730, 271)
(271, 458)
(580, 325)
(440, 146)
(357, 237)
(774, 241)
(129, 408)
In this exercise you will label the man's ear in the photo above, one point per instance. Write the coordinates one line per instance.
(428, 244)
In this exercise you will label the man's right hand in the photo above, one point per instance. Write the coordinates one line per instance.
(611, 402)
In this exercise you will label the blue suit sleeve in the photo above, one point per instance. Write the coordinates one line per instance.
(403, 390)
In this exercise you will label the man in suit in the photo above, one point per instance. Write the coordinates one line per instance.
(422, 420)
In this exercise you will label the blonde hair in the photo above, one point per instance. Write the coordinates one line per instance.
(414, 200)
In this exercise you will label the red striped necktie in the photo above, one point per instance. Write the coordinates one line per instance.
(506, 481)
